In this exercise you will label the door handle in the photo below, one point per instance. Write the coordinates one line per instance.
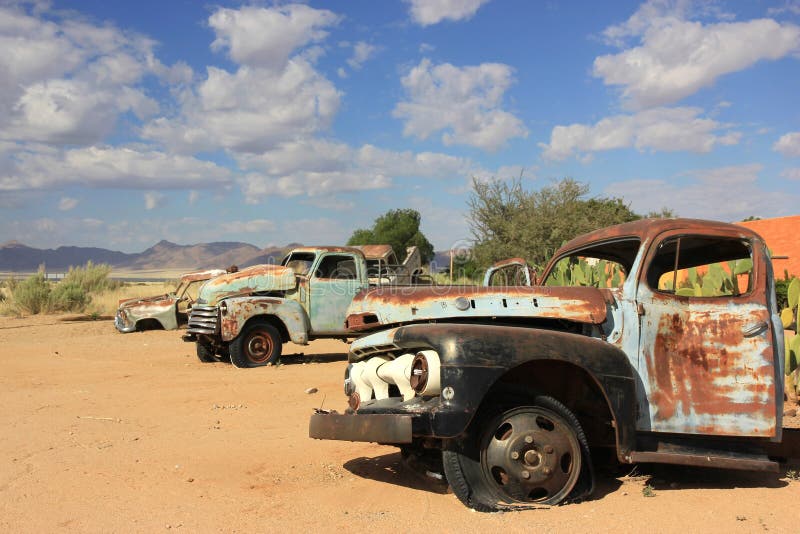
(755, 329)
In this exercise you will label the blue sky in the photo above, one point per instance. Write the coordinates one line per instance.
(123, 123)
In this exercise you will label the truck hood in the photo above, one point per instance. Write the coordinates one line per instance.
(379, 307)
(255, 279)
(157, 301)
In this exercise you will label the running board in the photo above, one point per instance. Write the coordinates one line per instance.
(722, 459)
(691, 450)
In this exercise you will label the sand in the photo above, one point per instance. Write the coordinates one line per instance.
(105, 432)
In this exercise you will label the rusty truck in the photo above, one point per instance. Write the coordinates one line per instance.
(656, 340)
(166, 311)
(248, 315)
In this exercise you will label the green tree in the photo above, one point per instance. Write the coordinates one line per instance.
(506, 220)
(398, 228)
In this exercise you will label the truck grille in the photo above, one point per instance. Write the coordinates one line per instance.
(203, 320)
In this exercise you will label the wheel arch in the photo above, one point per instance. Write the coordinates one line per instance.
(576, 387)
(149, 323)
(271, 319)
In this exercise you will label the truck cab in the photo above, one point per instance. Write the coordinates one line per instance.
(248, 315)
(657, 339)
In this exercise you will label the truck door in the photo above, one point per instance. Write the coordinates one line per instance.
(332, 287)
(706, 345)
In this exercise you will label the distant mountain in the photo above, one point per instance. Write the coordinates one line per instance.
(16, 256)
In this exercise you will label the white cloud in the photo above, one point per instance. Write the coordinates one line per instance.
(316, 167)
(428, 12)
(250, 110)
(788, 145)
(153, 200)
(253, 226)
(68, 81)
(726, 193)
(791, 174)
(67, 203)
(463, 102)
(267, 37)
(194, 196)
(676, 57)
(659, 129)
(43, 168)
(361, 53)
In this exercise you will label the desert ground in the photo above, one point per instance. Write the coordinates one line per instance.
(105, 432)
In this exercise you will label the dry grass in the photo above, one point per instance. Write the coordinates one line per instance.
(107, 302)
(104, 303)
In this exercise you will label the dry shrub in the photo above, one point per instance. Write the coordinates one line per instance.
(32, 295)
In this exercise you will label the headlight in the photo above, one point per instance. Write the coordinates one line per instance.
(223, 308)
(349, 387)
(425, 373)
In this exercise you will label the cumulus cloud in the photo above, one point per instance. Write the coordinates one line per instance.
(735, 190)
(68, 81)
(67, 203)
(676, 57)
(659, 129)
(317, 167)
(361, 53)
(272, 97)
(464, 102)
(267, 37)
(788, 145)
(153, 200)
(43, 168)
(429, 12)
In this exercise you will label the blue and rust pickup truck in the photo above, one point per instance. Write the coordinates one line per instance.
(658, 339)
(247, 315)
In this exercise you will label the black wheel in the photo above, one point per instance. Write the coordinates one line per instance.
(258, 344)
(223, 354)
(525, 456)
(205, 352)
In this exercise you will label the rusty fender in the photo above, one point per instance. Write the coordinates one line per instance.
(241, 309)
(474, 357)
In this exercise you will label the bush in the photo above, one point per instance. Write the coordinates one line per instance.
(69, 296)
(32, 295)
(91, 278)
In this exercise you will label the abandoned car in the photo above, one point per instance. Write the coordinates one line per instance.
(658, 340)
(167, 311)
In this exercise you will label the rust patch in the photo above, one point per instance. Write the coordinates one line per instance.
(688, 372)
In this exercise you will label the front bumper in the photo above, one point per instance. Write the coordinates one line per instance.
(378, 428)
(121, 326)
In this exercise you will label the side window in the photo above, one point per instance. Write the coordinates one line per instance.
(337, 267)
(702, 266)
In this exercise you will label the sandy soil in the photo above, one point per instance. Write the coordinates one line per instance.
(104, 432)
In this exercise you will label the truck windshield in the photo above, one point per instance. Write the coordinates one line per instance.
(601, 265)
(299, 262)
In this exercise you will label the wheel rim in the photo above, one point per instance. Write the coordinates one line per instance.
(531, 455)
(259, 347)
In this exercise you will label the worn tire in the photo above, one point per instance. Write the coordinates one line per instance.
(486, 470)
(205, 352)
(258, 344)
